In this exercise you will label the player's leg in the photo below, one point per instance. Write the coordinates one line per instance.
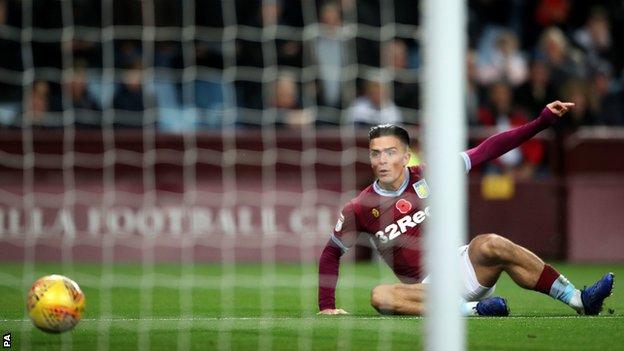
(406, 299)
(478, 300)
(491, 254)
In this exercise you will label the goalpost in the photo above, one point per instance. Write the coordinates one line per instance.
(445, 130)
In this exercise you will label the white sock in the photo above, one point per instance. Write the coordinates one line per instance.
(469, 308)
(575, 301)
(565, 292)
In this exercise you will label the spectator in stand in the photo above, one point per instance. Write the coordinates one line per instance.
(578, 90)
(374, 107)
(88, 110)
(563, 61)
(330, 53)
(37, 103)
(286, 101)
(256, 52)
(290, 52)
(537, 92)
(127, 52)
(542, 14)
(270, 13)
(595, 38)
(606, 97)
(499, 113)
(506, 62)
(89, 51)
(129, 95)
(600, 84)
(404, 84)
(77, 88)
(168, 56)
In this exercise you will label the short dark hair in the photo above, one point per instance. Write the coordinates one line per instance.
(389, 129)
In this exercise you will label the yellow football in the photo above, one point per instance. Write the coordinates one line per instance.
(55, 303)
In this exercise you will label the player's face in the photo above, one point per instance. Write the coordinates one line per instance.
(388, 156)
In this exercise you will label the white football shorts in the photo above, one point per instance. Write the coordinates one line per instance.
(471, 289)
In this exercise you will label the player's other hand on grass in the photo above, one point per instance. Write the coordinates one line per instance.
(559, 108)
(333, 311)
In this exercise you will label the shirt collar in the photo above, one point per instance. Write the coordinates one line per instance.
(383, 192)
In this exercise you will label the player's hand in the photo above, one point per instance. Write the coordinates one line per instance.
(559, 108)
(335, 311)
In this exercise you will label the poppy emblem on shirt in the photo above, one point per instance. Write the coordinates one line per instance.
(421, 188)
(375, 212)
(341, 220)
(403, 206)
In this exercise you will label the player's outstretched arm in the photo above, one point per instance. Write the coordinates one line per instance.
(501, 143)
(329, 265)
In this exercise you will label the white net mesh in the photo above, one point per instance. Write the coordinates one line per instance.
(159, 152)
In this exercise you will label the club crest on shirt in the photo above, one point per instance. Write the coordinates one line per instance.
(375, 212)
(421, 188)
(341, 220)
(403, 206)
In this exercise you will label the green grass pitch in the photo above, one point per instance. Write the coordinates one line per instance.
(249, 307)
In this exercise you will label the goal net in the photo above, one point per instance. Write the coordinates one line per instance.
(185, 162)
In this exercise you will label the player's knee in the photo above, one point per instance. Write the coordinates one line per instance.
(494, 247)
(381, 299)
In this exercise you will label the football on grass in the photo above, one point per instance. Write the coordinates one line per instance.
(55, 303)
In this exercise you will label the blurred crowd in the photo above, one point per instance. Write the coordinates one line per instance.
(188, 65)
